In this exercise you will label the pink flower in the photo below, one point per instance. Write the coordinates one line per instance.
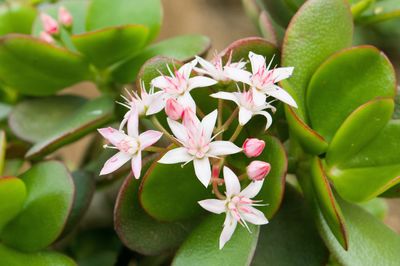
(46, 37)
(253, 147)
(50, 25)
(198, 145)
(65, 17)
(257, 170)
(130, 145)
(238, 206)
(173, 109)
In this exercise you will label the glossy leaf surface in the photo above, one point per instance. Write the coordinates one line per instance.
(12, 197)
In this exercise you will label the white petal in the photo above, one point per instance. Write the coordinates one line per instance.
(112, 135)
(238, 74)
(207, 66)
(222, 147)
(252, 189)
(258, 97)
(187, 68)
(281, 73)
(157, 104)
(114, 163)
(148, 138)
(267, 116)
(199, 82)
(178, 130)
(227, 232)
(160, 82)
(281, 95)
(255, 217)
(244, 116)
(178, 155)
(187, 101)
(213, 205)
(137, 164)
(208, 123)
(133, 123)
(232, 184)
(202, 169)
(226, 96)
(257, 61)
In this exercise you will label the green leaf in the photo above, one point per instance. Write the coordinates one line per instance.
(170, 193)
(3, 147)
(84, 120)
(12, 257)
(201, 247)
(327, 203)
(182, 48)
(370, 241)
(138, 231)
(50, 197)
(349, 139)
(33, 67)
(107, 46)
(105, 13)
(5, 110)
(345, 81)
(12, 198)
(291, 237)
(16, 19)
(281, 10)
(377, 207)
(12, 167)
(312, 35)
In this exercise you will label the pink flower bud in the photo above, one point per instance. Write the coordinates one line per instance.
(50, 25)
(173, 109)
(44, 36)
(253, 147)
(257, 170)
(64, 17)
(190, 120)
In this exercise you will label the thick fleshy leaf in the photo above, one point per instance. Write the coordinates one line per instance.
(345, 81)
(84, 120)
(267, 28)
(279, 241)
(5, 110)
(33, 67)
(13, 257)
(138, 231)
(312, 35)
(50, 197)
(105, 13)
(349, 139)
(282, 10)
(327, 203)
(107, 46)
(16, 19)
(181, 48)
(12, 198)
(370, 241)
(201, 247)
(377, 207)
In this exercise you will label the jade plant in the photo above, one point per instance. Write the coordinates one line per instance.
(274, 151)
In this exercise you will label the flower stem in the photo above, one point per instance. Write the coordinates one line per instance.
(200, 112)
(229, 121)
(155, 149)
(358, 8)
(242, 176)
(158, 125)
(372, 19)
(218, 194)
(236, 133)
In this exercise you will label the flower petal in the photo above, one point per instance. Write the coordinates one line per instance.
(281, 73)
(226, 96)
(178, 130)
(227, 232)
(178, 155)
(160, 82)
(133, 122)
(258, 97)
(187, 68)
(207, 66)
(186, 101)
(213, 205)
(202, 170)
(257, 61)
(281, 95)
(238, 74)
(252, 189)
(137, 164)
(199, 82)
(148, 138)
(232, 184)
(208, 123)
(267, 116)
(112, 135)
(157, 104)
(254, 216)
(244, 116)
(114, 163)
(222, 147)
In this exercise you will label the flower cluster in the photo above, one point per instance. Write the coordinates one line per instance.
(201, 140)
(51, 27)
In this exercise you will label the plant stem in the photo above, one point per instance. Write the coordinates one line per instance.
(236, 133)
(229, 121)
(155, 149)
(242, 176)
(372, 19)
(158, 125)
(359, 7)
(200, 112)
(218, 194)
(220, 113)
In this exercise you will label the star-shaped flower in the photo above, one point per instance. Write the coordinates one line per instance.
(238, 205)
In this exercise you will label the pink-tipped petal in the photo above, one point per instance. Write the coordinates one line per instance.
(281, 95)
(225, 96)
(178, 155)
(232, 184)
(113, 135)
(148, 138)
(208, 123)
(244, 116)
(136, 164)
(213, 205)
(202, 170)
(223, 147)
(228, 230)
(50, 25)
(252, 189)
(178, 130)
(253, 147)
(200, 82)
(255, 216)
(114, 163)
(257, 62)
(64, 17)
(238, 74)
(173, 109)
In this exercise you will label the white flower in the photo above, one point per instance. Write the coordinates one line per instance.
(215, 69)
(238, 205)
(130, 145)
(179, 84)
(262, 80)
(248, 106)
(196, 139)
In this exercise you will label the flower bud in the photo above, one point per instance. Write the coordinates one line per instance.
(257, 170)
(64, 17)
(50, 25)
(173, 109)
(44, 36)
(253, 147)
(190, 120)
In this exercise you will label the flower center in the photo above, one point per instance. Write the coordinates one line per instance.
(262, 78)
(129, 145)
